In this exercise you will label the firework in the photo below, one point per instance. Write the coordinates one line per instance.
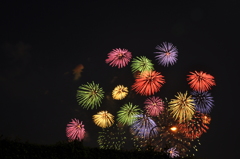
(103, 119)
(90, 95)
(206, 119)
(195, 127)
(77, 71)
(172, 152)
(200, 81)
(119, 57)
(75, 130)
(203, 101)
(167, 55)
(127, 114)
(154, 106)
(170, 136)
(182, 108)
(112, 138)
(141, 64)
(148, 83)
(143, 126)
(119, 92)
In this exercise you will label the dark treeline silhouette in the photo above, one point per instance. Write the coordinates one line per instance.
(14, 149)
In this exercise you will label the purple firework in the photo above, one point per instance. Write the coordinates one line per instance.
(203, 101)
(75, 130)
(167, 55)
(154, 106)
(119, 57)
(172, 152)
(143, 127)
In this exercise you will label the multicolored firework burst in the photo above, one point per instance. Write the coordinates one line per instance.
(154, 106)
(128, 114)
(142, 127)
(119, 92)
(112, 138)
(173, 128)
(119, 57)
(90, 95)
(203, 101)
(75, 130)
(182, 108)
(200, 81)
(141, 64)
(103, 119)
(170, 136)
(172, 152)
(167, 55)
(148, 83)
(195, 127)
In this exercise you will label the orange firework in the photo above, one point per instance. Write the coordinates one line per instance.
(77, 71)
(195, 127)
(200, 81)
(206, 119)
(148, 82)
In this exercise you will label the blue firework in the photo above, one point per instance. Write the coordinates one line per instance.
(167, 54)
(203, 101)
(172, 152)
(143, 127)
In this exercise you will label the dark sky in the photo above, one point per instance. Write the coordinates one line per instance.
(42, 42)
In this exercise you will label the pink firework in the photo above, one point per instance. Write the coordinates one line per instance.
(119, 57)
(154, 106)
(75, 130)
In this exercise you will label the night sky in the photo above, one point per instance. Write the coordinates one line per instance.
(42, 42)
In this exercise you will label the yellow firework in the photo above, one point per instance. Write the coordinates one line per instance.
(182, 108)
(103, 119)
(119, 92)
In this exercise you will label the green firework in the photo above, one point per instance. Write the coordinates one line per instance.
(112, 138)
(90, 95)
(128, 114)
(141, 64)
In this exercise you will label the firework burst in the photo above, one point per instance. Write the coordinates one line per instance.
(195, 127)
(167, 55)
(154, 106)
(90, 95)
(75, 130)
(141, 64)
(206, 119)
(182, 108)
(170, 136)
(119, 58)
(119, 92)
(172, 152)
(203, 101)
(103, 119)
(148, 83)
(142, 127)
(200, 81)
(128, 114)
(112, 138)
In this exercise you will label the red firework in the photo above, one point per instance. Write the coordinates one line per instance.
(75, 130)
(119, 57)
(194, 128)
(148, 82)
(200, 81)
